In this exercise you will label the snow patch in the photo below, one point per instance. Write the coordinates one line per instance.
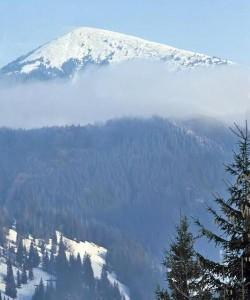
(27, 290)
(122, 288)
(30, 67)
(96, 253)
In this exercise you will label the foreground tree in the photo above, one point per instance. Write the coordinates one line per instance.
(183, 271)
(231, 277)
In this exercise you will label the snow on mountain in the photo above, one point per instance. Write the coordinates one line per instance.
(89, 46)
(96, 253)
(27, 290)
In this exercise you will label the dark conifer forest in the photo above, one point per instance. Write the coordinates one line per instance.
(121, 184)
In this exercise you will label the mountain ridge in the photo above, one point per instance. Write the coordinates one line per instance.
(66, 55)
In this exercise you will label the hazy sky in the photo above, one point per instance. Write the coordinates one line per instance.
(215, 27)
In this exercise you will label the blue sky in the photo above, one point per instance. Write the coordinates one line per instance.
(215, 27)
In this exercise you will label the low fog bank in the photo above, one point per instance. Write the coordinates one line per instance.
(134, 89)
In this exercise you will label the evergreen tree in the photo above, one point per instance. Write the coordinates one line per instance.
(61, 267)
(88, 275)
(39, 292)
(31, 274)
(72, 261)
(52, 264)
(54, 244)
(42, 247)
(105, 289)
(10, 287)
(33, 258)
(20, 253)
(50, 292)
(78, 270)
(182, 267)
(234, 223)
(18, 280)
(103, 285)
(24, 278)
(45, 261)
(115, 294)
(61, 259)
(0, 295)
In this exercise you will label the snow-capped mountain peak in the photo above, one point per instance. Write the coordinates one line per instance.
(83, 46)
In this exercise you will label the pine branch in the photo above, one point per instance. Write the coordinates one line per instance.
(211, 236)
(232, 169)
(228, 210)
(212, 267)
(224, 225)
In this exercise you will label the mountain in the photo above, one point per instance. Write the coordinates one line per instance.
(64, 56)
(120, 185)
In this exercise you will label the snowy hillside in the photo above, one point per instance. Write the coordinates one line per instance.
(96, 254)
(27, 290)
(88, 46)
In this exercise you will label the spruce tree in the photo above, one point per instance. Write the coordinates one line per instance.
(42, 247)
(78, 270)
(45, 261)
(231, 277)
(62, 266)
(104, 285)
(24, 278)
(115, 294)
(33, 258)
(31, 274)
(182, 267)
(52, 264)
(39, 292)
(20, 253)
(54, 243)
(61, 259)
(88, 275)
(10, 286)
(50, 292)
(18, 280)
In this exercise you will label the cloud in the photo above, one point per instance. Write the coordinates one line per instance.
(138, 89)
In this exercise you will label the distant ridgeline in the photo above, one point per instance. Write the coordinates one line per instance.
(54, 269)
